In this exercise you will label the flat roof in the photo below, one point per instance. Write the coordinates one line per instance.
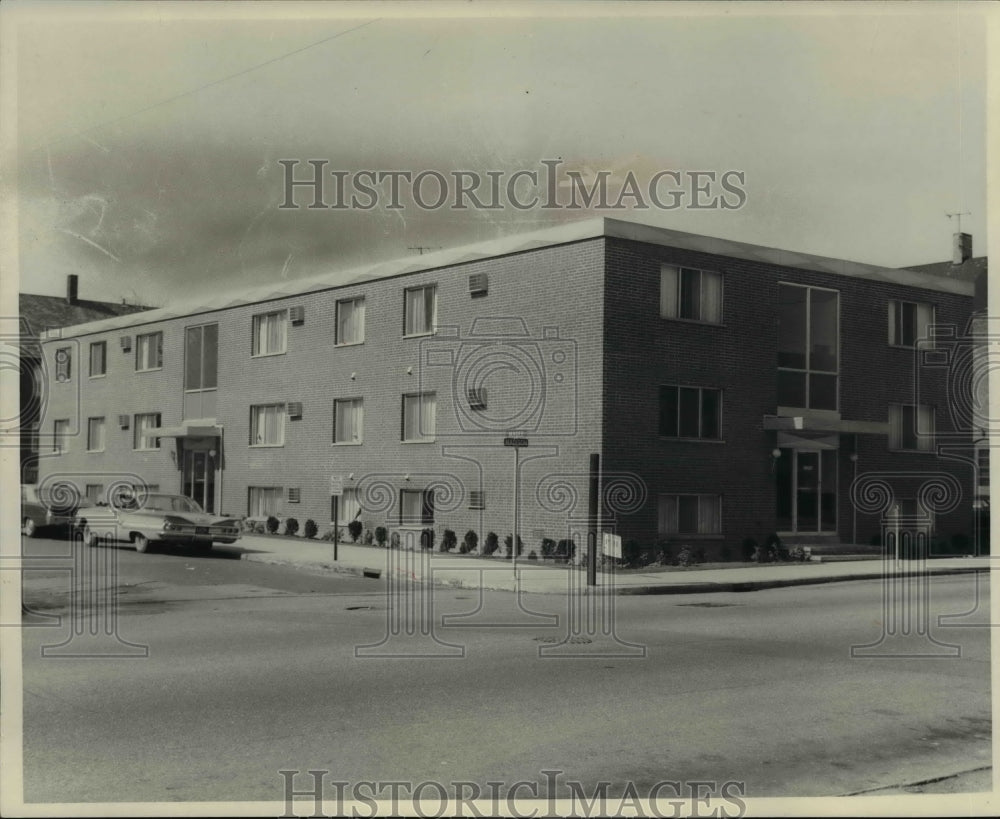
(549, 237)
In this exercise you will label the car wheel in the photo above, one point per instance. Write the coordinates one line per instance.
(204, 548)
(141, 543)
(29, 528)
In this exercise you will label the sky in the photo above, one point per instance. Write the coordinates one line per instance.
(149, 137)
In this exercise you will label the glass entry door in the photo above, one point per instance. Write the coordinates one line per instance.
(806, 490)
(198, 478)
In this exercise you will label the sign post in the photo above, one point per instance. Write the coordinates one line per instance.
(517, 443)
(337, 491)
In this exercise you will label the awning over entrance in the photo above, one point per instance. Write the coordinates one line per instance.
(197, 428)
(816, 424)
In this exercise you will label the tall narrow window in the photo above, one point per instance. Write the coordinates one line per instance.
(808, 347)
(64, 364)
(98, 359)
(270, 333)
(351, 321)
(420, 310)
(60, 436)
(419, 416)
(692, 294)
(267, 425)
(908, 322)
(348, 421)
(148, 352)
(911, 427)
(144, 422)
(95, 434)
(201, 357)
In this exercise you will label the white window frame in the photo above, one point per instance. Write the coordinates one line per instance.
(896, 329)
(279, 413)
(139, 439)
(429, 310)
(358, 437)
(422, 415)
(262, 494)
(664, 515)
(101, 345)
(924, 444)
(96, 422)
(671, 287)
(358, 306)
(146, 344)
(261, 336)
(60, 436)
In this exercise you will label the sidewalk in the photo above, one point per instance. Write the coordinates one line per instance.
(464, 571)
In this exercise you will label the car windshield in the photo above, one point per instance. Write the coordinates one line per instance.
(163, 503)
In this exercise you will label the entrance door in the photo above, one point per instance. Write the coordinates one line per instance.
(198, 478)
(806, 490)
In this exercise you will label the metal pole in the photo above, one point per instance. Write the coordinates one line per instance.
(513, 536)
(595, 518)
(336, 524)
(854, 506)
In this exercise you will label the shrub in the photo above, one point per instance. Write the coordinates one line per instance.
(427, 539)
(394, 540)
(448, 540)
(631, 553)
(664, 555)
(381, 535)
(797, 554)
(291, 526)
(509, 540)
(469, 542)
(369, 538)
(354, 528)
(565, 549)
(329, 534)
(532, 555)
(749, 549)
(775, 548)
(272, 524)
(548, 547)
(311, 529)
(491, 544)
(690, 556)
(960, 544)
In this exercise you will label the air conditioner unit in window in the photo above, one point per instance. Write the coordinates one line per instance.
(126, 342)
(478, 284)
(294, 409)
(297, 314)
(477, 398)
(294, 495)
(123, 421)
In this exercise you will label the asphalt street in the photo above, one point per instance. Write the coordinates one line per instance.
(253, 669)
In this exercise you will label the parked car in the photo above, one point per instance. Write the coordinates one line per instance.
(146, 519)
(57, 511)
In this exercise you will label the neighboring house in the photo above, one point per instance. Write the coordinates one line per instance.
(714, 390)
(38, 314)
(974, 340)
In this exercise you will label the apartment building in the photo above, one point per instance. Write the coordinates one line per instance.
(708, 391)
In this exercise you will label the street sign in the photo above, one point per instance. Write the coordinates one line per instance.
(611, 545)
(337, 485)
(516, 442)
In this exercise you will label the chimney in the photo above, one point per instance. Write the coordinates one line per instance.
(71, 288)
(961, 248)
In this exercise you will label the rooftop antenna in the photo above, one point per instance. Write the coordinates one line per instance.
(959, 216)
(421, 248)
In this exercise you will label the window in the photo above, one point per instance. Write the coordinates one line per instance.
(270, 333)
(201, 357)
(420, 310)
(264, 501)
(911, 427)
(141, 439)
(95, 434)
(983, 465)
(687, 293)
(149, 352)
(348, 421)
(64, 362)
(808, 344)
(98, 359)
(909, 321)
(419, 416)
(60, 434)
(690, 412)
(690, 515)
(477, 499)
(416, 507)
(94, 492)
(267, 425)
(351, 321)
(345, 508)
